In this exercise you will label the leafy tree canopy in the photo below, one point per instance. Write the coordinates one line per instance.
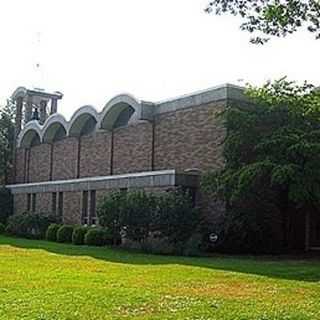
(272, 151)
(271, 17)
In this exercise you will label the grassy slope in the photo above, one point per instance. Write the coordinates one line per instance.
(41, 280)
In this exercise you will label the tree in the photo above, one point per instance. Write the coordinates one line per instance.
(177, 220)
(271, 17)
(139, 215)
(6, 204)
(272, 153)
(111, 213)
(7, 140)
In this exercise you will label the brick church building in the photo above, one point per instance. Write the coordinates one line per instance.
(66, 167)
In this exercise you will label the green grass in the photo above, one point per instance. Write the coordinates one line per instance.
(42, 280)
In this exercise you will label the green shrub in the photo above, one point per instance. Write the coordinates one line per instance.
(79, 234)
(29, 225)
(177, 220)
(6, 204)
(111, 211)
(250, 231)
(193, 245)
(156, 245)
(64, 234)
(51, 234)
(95, 237)
(139, 215)
(2, 228)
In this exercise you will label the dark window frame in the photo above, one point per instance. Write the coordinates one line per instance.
(54, 203)
(84, 213)
(28, 202)
(60, 204)
(33, 202)
(92, 208)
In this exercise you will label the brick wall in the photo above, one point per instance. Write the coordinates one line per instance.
(95, 155)
(190, 138)
(132, 148)
(44, 203)
(20, 163)
(65, 155)
(20, 203)
(185, 139)
(72, 207)
(39, 163)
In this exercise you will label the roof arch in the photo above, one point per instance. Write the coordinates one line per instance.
(19, 92)
(119, 111)
(55, 128)
(30, 135)
(84, 121)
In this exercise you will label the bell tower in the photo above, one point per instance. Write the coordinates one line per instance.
(34, 104)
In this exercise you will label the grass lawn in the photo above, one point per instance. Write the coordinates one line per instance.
(42, 280)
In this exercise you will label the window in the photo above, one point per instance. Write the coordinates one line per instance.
(33, 209)
(192, 193)
(93, 214)
(54, 203)
(28, 202)
(123, 190)
(60, 204)
(85, 218)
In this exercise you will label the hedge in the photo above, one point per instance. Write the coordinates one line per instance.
(64, 234)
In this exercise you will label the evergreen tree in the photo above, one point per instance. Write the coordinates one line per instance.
(7, 140)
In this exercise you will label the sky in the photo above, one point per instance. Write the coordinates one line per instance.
(92, 50)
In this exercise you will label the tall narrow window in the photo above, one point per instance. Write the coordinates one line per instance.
(124, 190)
(93, 214)
(34, 195)
(54, 203)
(60, 204)
(84, 218)
(192, 194)
(28, 202)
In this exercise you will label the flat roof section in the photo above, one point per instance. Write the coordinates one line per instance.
(149, 179)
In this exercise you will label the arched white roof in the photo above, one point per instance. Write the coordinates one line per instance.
(19, 92)
(86, 119)
(29, 132)
(52, 126)
(115, 106)
(80, 119)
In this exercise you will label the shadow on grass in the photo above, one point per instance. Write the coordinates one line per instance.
(288, 268)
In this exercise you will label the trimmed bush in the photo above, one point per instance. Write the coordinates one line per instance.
(64, 234)
(111, 238)
(79, 234)
(29, 225)
(95, 237)
(2, 228)
(51, 234)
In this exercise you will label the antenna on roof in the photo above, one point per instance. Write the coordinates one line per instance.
(39, 78)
